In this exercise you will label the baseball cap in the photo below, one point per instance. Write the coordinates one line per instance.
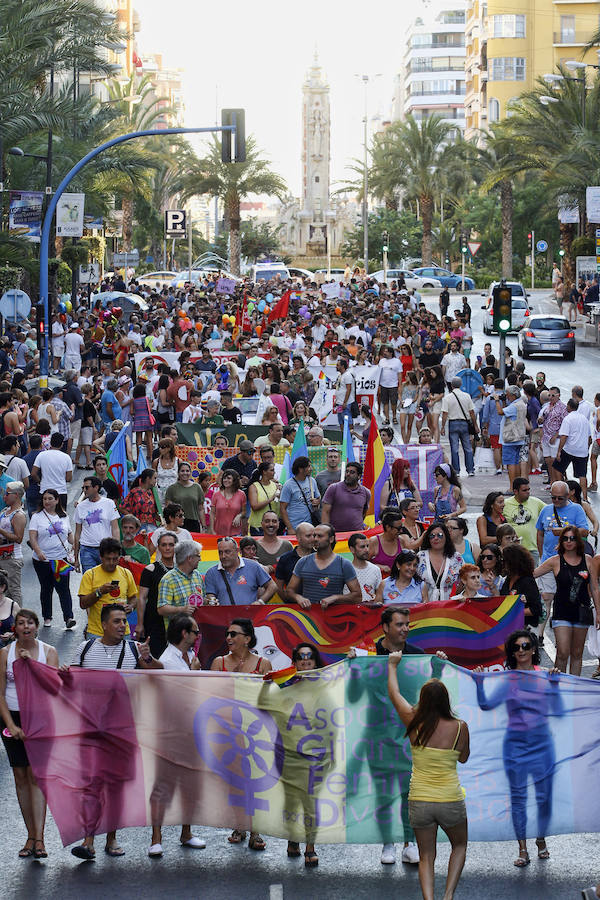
(248, 446)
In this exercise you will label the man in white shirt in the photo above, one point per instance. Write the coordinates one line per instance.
(453, 363)
(574, 439)
(95, 518)
(16, 468)
(74, 344)
(585, 407)
(53, 469)
(390, 381)
(458, 409)
(367, 573)
(318, 331)
(135, 337)
(345, 392)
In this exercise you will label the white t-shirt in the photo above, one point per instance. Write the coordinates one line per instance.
(577, 427)
(389, 370)
(369, 579)
(340, 389)
(73, 343)
(54, 465)
(52, 534)
(58, 334)
(135, 337)
(95, 519)
(17, 469)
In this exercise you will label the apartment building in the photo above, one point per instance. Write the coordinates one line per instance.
(507, 51)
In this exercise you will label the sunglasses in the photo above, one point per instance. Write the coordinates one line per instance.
(194, 631)
(307, 655)
(569, 537)
(487, 556)
(524, 646)
(438, 534)
(233, 633)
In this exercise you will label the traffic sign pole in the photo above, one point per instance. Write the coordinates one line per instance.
(532, 259)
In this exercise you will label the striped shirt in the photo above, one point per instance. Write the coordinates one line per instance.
(102, 656)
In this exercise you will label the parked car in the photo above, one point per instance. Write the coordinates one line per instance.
(412, 280)
(547, 334)
(295, 272)
(448, 279)
(267, 271)
(521, 309)
(198, 275)
(152, 279)
(333, 275)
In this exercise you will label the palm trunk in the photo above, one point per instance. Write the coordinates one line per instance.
(568, 263)
(232, 207)
(506, 202)
(127, 207)
(426, 205)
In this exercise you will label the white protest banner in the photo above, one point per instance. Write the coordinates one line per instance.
(226, 286)
(366, 379)
(592, 203)
(172, 359)
(331, 291)
(69, 215)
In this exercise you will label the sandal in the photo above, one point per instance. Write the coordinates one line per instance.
(25, 852)
(522, 859)
(83, 852)
(310, 859)
(40, 854)
(256, 842)
(236, 837)
(293, 849)
(543, 852)
(114, 850)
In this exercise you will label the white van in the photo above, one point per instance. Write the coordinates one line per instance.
(269, 270)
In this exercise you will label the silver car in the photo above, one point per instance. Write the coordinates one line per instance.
(546, 334)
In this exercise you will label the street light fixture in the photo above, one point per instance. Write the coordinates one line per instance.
(553, 79)
(16, 151)
(546, 101)
(365, 204)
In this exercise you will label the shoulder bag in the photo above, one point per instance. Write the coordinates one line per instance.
(315, 515)
(470, 426)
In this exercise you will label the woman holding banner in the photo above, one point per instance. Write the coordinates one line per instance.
(439, 740)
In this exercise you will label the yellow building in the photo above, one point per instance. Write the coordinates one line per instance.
(508, 46)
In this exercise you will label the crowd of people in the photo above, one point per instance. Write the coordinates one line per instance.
(282, 531)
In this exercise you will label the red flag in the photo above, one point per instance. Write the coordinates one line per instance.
(246, 323)
(281, 308)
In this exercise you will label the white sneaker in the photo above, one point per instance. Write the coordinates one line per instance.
(388, 854)
(194, 843)
(155, 851)
(410, 854)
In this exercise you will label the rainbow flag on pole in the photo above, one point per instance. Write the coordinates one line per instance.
(376, 471)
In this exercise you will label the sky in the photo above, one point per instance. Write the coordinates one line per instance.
(256, 55)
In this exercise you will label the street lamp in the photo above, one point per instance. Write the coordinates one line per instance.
(16, 151)
(365, 204)
(555, 80)
(546, 101)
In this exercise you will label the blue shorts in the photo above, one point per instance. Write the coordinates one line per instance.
(510, 454)
(562, 623)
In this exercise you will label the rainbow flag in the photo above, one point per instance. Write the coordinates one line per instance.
(299, 447)
(376, 471)
(283, 677)
(60, 567)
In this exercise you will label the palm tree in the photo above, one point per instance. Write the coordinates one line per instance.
(410, 158)
(231, 182)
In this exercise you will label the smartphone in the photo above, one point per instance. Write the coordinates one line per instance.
(115, 582)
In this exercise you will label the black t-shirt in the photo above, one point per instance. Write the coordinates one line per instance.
(233, 415)
(429, 360)
(286, 565)
(489, 370)
(111, 488)
(89, 412)
(527, 586)
(208, 365)
(408, 648)
(150, 578)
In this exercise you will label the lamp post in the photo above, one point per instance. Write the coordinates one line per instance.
(365, 204)
(45, 236)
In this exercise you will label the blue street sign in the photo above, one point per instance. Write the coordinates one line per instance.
(541, 246)
(15, 305)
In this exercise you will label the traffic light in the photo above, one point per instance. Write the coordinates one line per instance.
(502, 308)
(529, 236)
(385, 238)
(464, 242)
(561, 252)
(235, 117)
(39, 325)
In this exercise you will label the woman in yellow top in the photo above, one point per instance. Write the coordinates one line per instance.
(263, 495)
(438, 741)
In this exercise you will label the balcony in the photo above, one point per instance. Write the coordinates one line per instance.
(454, 93)
(430, 45)
(437, 64)
(571, 38)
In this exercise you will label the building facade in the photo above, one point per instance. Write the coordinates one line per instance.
(432, 79)
(507, 51)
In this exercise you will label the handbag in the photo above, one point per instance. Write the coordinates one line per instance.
(471, 428)
(315, 514)
(150, 416)
(354, 407)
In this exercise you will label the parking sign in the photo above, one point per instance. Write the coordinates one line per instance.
(175, 223)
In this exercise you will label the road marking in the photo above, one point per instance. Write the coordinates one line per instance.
(275, 892)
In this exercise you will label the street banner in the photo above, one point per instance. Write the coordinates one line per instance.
(324, 759)
(592, 203)
(25, 214)
(69, 215)
(472, 633)
(366, 382)
(331, 291)
(172, 359)
(193, 435)
(226, 286)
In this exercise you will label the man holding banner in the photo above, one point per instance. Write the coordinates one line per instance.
(322, 576)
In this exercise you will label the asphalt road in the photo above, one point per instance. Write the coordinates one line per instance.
(222, 871)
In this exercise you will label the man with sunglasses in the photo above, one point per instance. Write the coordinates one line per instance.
(95, 518)
(551, 521)
(522, 511)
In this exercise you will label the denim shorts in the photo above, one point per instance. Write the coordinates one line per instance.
(423, 814)
(562, 623)
(511, 454)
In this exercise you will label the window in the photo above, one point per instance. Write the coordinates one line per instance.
(509, 26)
(506, 68)
(493, 110)
(567, 29)
(317, 179)
(420, 40)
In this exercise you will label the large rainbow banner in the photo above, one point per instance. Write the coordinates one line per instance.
(325, 759)
(471, 633)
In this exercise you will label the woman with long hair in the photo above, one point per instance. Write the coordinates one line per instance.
(459, 529)
(491, 518)
(434, 379)
(189, 495)
(576, 496)
(249, 388)
(490, 565)
(409, 402)
(439, 563)
(439, 740)
(574, 600)
(241, 640)
(271, 374)
(385, 547)
(518, 568)
(228, 507)
(166, 466)
(263, 495)
(165, 411)
(399, 486)
(448, 499)
(411, 531)
(528, 748)
(31, 800)
(51, 539)
(403, 587)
